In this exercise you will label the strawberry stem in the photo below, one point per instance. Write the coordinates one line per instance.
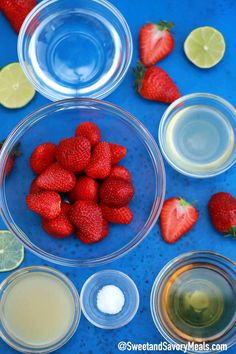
(232, 231)
(139, 73)
(163, 25)
(183, 202)
(15, 151)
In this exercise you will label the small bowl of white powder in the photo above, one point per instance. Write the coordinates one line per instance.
(109, 299)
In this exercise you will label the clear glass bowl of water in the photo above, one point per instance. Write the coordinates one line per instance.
(79, 48)
(90, 292)
(197, 135)
(53, 123)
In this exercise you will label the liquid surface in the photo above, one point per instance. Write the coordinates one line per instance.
(199, 138)
(198, 303)
(38, 309)
(74, 53)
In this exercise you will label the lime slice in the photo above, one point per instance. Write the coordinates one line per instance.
(204, 47)
(11, 251)
(15, 89)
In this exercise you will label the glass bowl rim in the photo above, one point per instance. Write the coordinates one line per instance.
(157, 164)
(164, 271)
(77, 308)
(165, 116)
(105, 92)
(113, 272)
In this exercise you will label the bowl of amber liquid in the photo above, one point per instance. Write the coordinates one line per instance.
(193, 302)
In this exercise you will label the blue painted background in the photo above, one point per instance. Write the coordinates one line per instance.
(152, 254)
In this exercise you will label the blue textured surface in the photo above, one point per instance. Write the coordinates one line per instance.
(151, 255)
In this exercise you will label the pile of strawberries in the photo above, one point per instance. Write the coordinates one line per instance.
(80, 188)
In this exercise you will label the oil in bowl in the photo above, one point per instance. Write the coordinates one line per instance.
(39, 310)
(197, 135)
(193, 299)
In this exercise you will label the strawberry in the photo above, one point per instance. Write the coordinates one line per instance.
(105, 228)
(116, 192)
(46, 203)
(100, 163)
(177, 217)
(88, 239)
(87, 217)
(74, 153)
(121, 215)
(42, 157)
(90, 131)
(222, 209)
(155, 42)
(118, 152)
(56, 178)
(34, 188)
(13, 155)
(120, 172)
(16, 11)
(86, 189)
(60, 227)
(155, 84)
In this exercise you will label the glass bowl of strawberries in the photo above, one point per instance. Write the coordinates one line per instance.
(88, 186)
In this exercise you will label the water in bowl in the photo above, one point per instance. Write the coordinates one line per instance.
(199, 138)
(74, 53)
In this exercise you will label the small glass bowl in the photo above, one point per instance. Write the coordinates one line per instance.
(53, 123)
(21, 346)
(79, 48)
(227, 268)
(90, 291)
(217, 104)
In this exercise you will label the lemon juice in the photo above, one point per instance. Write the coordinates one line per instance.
(199, 139)
(37, 309)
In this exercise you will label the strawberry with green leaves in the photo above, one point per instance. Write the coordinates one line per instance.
(13, 155)
(155, 42)
(155, 84)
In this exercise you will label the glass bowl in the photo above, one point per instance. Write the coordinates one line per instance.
(89, 295)
(176, 140)
(57, 121)
(79, 48)
(171, 274)
(8, 336)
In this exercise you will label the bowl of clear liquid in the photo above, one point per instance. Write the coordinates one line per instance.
(197, 135)
(79, 48)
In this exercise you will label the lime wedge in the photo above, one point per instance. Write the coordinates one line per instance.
(11, 251)
(204, 47)
(15, 89)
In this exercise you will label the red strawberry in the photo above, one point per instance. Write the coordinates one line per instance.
(16, 11)
(74, 153)
(14, 154)
(86, 189)
(42, 157)
(121, 215)
(118, 152)
(60, 227)
(105, 228)
(155, 41)
(56, 178)
(88, 239)
(116, 192)
(177, 217)
(100, 163)
(222, 208)
(46, 203)
(90, 131)
(155, 84)
(34, 188)
(87, 217)
(120, 172)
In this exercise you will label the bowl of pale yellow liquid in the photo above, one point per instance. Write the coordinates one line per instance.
(39, 310)
(197, 135)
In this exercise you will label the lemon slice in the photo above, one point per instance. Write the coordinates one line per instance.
(204, 47)
(11, 251)
(15, 89)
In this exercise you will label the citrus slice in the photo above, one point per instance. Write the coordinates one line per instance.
(15, 89)
(204, 47)
(11, 251)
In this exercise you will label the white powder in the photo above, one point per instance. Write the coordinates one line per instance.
(110, 299)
